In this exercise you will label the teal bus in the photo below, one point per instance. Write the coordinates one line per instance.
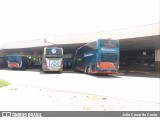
(17, 62)
(52, 59)
(98, 57)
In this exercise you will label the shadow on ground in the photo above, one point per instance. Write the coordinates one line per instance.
(105, 76)
(151, 74)
(141, 74)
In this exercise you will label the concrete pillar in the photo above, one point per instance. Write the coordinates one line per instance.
(157, 59)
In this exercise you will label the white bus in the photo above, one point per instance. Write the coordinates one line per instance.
(52, 59)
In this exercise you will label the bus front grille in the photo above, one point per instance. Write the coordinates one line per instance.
(109, 57)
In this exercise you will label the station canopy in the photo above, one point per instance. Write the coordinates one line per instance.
(134, 38)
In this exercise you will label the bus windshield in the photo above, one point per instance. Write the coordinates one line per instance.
(54, 53)
(109, 44)
(14, 58)
(50, 51)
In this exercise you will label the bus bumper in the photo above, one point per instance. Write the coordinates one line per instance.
(104, 72)
(53, 70)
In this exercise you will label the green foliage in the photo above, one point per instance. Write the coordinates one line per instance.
(4, 83)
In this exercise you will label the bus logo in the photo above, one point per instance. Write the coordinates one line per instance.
(53, 50)
(88, 54)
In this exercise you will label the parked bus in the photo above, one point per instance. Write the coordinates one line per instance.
(98, 57)
(17, 62)
(52, 59)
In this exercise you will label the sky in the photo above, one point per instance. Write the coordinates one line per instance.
(22, 20)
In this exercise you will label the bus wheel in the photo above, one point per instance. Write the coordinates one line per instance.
(86, 70)
(23, 68)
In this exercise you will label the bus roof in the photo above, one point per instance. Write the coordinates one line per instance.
(96, 40)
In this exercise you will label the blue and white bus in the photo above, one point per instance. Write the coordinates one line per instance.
(98, 57)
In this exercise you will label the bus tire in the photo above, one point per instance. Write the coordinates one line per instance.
(23, 68)
(86, 70)
(89, 70)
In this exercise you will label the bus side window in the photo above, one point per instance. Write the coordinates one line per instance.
(90, 47)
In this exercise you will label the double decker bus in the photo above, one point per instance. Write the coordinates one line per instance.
(52, 59)
(17, 62)
(98, 57)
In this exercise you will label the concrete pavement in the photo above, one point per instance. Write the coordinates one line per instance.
(24, 97)
(128, 87)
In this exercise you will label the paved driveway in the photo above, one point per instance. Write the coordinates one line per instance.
(128, 87)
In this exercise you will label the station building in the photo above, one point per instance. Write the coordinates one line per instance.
(139, 46)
